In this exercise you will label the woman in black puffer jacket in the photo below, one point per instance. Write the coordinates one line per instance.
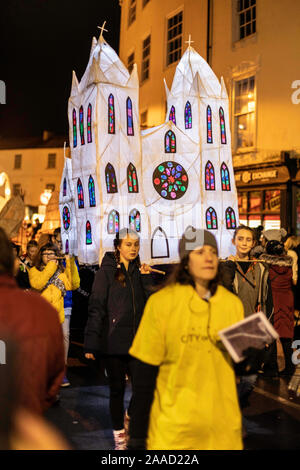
(120, 290)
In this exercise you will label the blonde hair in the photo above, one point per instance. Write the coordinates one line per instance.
(291, 242)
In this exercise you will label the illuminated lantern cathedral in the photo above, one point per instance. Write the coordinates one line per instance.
(158, 181)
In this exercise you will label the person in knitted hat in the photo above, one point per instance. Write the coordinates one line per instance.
(182, 369)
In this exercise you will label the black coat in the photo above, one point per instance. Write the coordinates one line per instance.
(115, 311)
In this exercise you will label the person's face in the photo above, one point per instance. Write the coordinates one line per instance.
(243, 242)
(48, 255)
(57, 241)
(129, 248)
(31, 252)
(203, 263)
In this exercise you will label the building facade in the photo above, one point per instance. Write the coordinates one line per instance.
(255, 46)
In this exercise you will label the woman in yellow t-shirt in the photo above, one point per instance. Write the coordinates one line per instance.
(184, 388)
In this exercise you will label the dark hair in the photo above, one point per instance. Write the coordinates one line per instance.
(119, 275)
(6, 254)
(274, 247)
(32, 243)
(181, 275)
(38, 262)
(15, 247)
(244, 227)
(56, 232)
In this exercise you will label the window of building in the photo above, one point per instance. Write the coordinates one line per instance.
(66, 218)
(50, 186)
(131, 12)
(113, 223)
(111, 114)
(174, 38)
(130, 130)
(188, 115)
(170, 142)
(209, 177)
(51, 160)
(132, 181)
(244, 113)
(260, 207)
(146, 58)
(209, 125)
(130, 62)
(64, 187)
(89, 124)
(222, 126)
(211, 219)
(225, 179)
(17, 190)
(230, 218)
(172, 116)
(246, 10)
(80, 194)
(92, 192)
(135, 220)
(74, 128)
(88, 233)
(18, 162)
(110, 179)
(81, 127)
(145, 3)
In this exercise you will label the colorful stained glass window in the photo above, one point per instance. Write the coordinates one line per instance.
(230, 218)
(64, 187)
(209, 177)
(132, 181)
(89, 124)
(74, 128)
(111, 114)
(66, 218)
(222, 126)
(170, 180)
(211, 219)
(135, 220)
(80, 194)
(130, 130)
(209, 125)
(92, 192)
(81, 127)
(113, 223)
(225, 179)
(170, 142)
(110, 178)
(188, 115)
(172, 115)
(67, 247)
(88, 233)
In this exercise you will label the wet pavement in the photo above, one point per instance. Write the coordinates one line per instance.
(272, 419)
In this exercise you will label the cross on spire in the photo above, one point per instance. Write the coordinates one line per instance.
(102, 29)
(189, 42)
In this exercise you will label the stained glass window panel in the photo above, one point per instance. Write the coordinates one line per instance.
(135, 220)
(222, 126)
(66, 218)
(172, 115)
(209, 125)
(225, 179)
(74, 128)
(111, 114)
(64, 187)
(132, 180)
(209, 177)
(89, 124)
(81, 127)
(113, 223)
(110, 179)
(80, 194)
(67, 247)
(170, 180)
(230, 218)
(88, 232)
(188, 115)
(170, 142)
(130, 130)
(211, 219)
(92, 192)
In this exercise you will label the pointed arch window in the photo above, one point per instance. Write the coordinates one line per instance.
(113, 222)
(110, 178)
(67, 247)
(132, 180)
(170, 142)
(88, 233)
(211, 219)
(209, 177)
(159, 244)
(89, 124)
(81, 127)
(172, 116)
(222, 126)
(64, 187)
(74, 128)
(66, 218)
(188, 115)
(80, 194)
(230, 218)
(225, 179)
(130, 130)
(92, 192)
(209, 125)
(111, 114)
(135, 220)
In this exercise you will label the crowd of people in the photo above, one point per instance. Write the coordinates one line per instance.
(164, 337)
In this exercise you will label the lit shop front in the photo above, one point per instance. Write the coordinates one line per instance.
(264, 197)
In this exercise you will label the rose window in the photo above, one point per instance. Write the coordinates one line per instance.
(170, 180)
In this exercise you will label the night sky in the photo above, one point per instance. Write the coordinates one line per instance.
(41, 42)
